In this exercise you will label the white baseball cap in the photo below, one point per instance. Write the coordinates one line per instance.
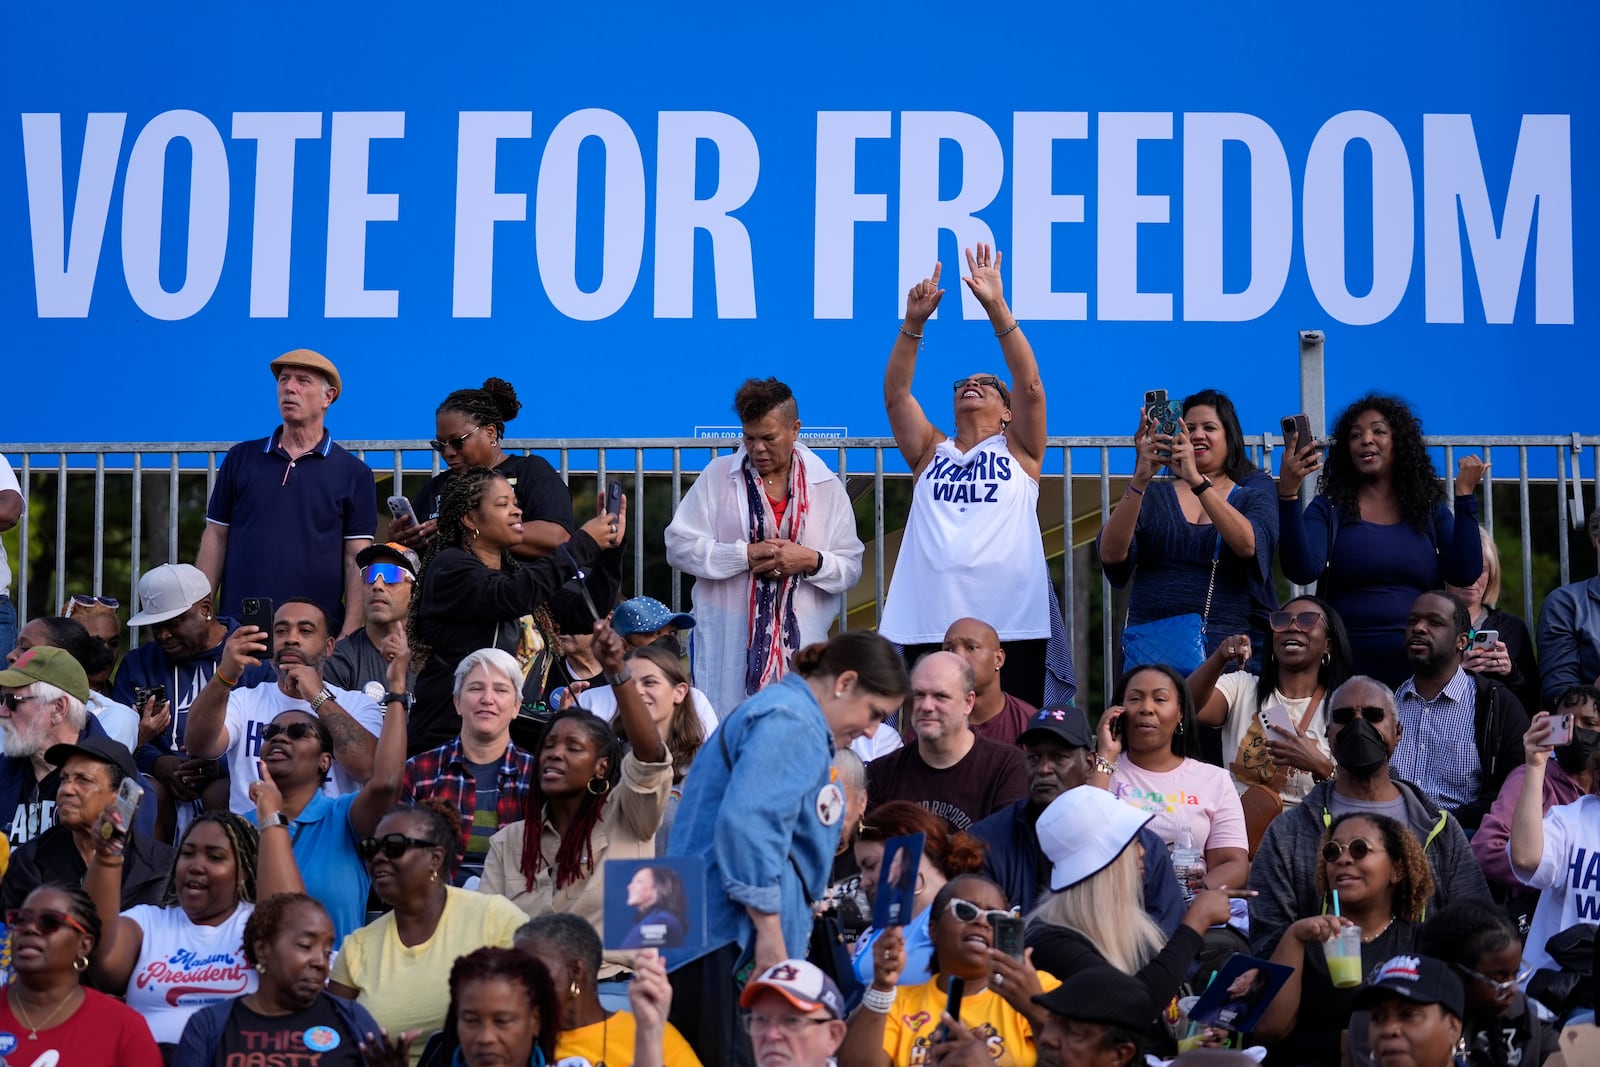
(800, 983)
(168, 591)
(1083, 830)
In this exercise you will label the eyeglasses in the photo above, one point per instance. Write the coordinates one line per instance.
(758, 1023)
(45, 920)
(984, 381)
(453, 443)
(295, 731)
(1304, 621)
(391, 573)
(966, 911)
(1359, 848)
(84, 600)
(1346, 716)
(392, 845)
(1500, 988)
(13, 701)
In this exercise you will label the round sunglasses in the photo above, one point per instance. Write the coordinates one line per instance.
(1358, 847)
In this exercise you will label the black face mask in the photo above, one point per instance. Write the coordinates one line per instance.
(1574, 756)
(1360, 749)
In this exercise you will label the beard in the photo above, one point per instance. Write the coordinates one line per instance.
(23, 742)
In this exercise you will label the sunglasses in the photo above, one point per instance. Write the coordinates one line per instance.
(966, 911)
(453, 443)
(392, 845)
(46, 920)
(1358, 847)
(13, 701)
(295, 731)
(984, 381)
(1500, 988)
(84, 600)
(391, 573)
(1346, 716)
(1284, 621)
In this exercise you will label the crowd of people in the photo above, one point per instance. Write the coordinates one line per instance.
(353, 801)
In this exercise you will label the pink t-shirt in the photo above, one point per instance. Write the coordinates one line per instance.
(1196, 796)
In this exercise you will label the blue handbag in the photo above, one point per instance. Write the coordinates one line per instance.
(1179, 641)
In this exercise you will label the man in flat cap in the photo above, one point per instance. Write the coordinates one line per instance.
(291, 511)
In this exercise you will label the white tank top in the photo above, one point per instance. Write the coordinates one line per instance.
(971, 548)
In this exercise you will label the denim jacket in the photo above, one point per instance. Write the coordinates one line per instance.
(763, 813)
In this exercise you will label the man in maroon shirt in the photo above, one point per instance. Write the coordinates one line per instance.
(997, 715)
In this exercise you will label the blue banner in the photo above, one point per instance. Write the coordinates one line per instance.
(625, 210)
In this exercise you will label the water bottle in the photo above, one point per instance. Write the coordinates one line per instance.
(1189, 864)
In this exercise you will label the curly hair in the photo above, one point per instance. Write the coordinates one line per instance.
(757, 397)
(1415, 888)
(518, 968)
(575, 852)
(953, 854)
(459, 496)
(1338, 663)
(1237, 465)
(494, 403)
(1413, 476)
(265, 922)
(1185, 738)
(685, 734)
(243, 839)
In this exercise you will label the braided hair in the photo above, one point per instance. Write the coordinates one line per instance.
(245, 841)
(461, 494)
(575, 853)
(519, 968)
(79, 905)
(494, 403)
(1413, 476)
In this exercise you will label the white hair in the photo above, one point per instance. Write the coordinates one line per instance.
(490, 659)
(77, 710)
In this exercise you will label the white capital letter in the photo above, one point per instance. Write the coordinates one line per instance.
(679, 214)
(1271, 217)
(1393, 216)
(350, 208)
(1122, 209)
(142, 194)
(1034, 208)
(923, 214)
(1541, 171)
(556, 221)
(63, 274)
(479, 207)
(275, 133)
(840, 207)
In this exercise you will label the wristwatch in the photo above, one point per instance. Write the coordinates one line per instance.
(403, 699)
(320, 699)
(277, 818)
(622, 677)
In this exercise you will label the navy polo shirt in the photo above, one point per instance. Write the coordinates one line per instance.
(288, 518)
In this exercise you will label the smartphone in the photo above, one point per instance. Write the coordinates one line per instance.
(614, 498)
(400, 508)
(1116, 727)
(1276, 715)
(1296, 428)
(1164, 413)
(1560, 730)
(126, 802)
(952, 1008)
(1485, 639)
(257, 611)
(1007, 934)
(143, 693)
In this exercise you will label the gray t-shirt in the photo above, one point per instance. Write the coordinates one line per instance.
(357, 665)
(1339, 804)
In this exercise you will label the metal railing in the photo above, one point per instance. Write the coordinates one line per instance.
(1076, 495)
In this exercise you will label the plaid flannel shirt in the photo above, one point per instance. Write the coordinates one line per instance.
(441, 772)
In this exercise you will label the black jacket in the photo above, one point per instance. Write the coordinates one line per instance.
(1498, 723)
(53, 857)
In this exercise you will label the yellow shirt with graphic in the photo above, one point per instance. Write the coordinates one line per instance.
(611, 1041)
(908, 1033)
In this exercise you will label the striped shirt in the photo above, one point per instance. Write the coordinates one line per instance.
(1437, 753)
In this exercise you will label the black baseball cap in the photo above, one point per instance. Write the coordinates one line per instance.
(103, 749)
(1101, 995)
(1068, 724)
(1420, 979)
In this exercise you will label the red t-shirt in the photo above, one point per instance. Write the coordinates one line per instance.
(778, 508)
(102, 1032)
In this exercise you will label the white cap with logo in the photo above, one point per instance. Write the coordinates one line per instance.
(167, 591)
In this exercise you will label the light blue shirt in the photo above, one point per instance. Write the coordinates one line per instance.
(325, 849)
(761, 809)
(1437, 752)
(918, 954)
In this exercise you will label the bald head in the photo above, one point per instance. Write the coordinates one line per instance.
(941, 697)
(976, 642)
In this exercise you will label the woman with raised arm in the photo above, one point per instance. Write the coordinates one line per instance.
(972, 546)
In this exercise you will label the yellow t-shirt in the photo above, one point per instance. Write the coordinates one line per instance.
(611, 1042)
(908, 1032)
(408, 988)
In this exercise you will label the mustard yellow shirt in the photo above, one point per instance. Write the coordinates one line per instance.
(611, 1041)
(908, 1032)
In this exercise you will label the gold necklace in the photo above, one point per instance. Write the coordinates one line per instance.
(22, 1016)
(1380, 933)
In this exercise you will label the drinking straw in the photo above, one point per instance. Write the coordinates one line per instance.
(1335, 903)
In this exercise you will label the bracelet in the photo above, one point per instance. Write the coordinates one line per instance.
(231, 683)
(1205, 483)
(814, 571)
(1103, 765)
(320, 699)
(914, 337)
(1135, 490)
(622, 677)
(1008, 329)
(877, 1000)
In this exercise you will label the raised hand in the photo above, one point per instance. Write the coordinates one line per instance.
(608, 532)
(923, 299)
(1149, 461)
(1300, 461)
(984, 279)
(1469, 473)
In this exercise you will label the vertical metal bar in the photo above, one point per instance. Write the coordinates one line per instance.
(677, 497)
(61, 530)
(844, 595)
(1527, 538)
(638, 522)
(1106, 613)
(172, 508)
(1069, 575)
(24, 556)
(1449, 472)
(99, 521)
(1563, 551)
(566, 469)
(399, 472)
(1313, 391)
(877, 530)
(137, 539)
(1488, 490)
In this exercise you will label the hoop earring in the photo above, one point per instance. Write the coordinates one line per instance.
(433, 876)
(605, 786)
(81, 964)
(1179, 730)
(574, 989)
(473, 532)
(1327, 658)
(261, 968)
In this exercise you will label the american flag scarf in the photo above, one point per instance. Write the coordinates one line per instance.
(774, 630)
